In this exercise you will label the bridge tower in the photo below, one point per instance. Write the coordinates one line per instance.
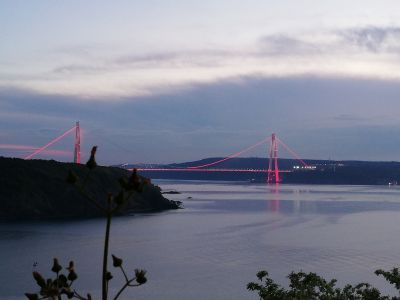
(273, 170)
(77, 150)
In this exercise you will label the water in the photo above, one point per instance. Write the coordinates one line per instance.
(226, 233)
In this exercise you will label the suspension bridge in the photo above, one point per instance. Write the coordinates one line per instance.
(272, 172)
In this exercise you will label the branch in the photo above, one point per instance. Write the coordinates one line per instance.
(76, 295)
(128, 283)
(123, 271)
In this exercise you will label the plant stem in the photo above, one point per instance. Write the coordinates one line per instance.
(128, 283)
(105, 255)
(123, 272)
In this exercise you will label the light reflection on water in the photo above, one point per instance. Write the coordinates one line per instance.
(225, 234)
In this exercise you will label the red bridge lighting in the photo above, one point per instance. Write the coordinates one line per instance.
(272, 171)
(77, 153)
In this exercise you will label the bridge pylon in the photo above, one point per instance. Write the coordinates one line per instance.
(273, 170)
(77, 149)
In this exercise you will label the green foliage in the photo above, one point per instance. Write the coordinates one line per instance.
(61, 284)
(310, 286)
(392, 276)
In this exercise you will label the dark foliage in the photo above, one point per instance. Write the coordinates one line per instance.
(310, 286)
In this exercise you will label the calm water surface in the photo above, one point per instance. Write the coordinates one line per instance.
(226, 233)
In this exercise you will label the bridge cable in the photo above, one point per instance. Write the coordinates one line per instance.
(50, 143)
(231, 156)
(294, 154)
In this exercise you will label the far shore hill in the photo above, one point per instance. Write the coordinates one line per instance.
(318, 171)
(38, 190)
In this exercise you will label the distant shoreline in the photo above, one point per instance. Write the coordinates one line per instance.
(323, 172)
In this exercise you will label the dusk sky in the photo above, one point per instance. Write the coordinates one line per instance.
(173, 81)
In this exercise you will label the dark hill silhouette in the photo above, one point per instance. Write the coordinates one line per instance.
(37, 189)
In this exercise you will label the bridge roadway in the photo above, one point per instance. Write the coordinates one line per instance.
(207, 170)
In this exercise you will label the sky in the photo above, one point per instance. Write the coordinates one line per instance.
(171, 81)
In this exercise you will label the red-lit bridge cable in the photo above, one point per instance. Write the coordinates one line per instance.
(231, 156)
(50, 143)
(292, 152)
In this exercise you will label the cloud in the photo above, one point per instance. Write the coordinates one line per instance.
(157, 60)
(80, 69)
(349, 118)
(369, 39)
(310, 113)
(364, 52)
(374, 39)
(281, 44)
(148, 59)
(353, 142)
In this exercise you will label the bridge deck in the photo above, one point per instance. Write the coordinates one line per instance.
(207, 170)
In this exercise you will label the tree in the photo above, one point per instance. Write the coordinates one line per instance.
(310, 286)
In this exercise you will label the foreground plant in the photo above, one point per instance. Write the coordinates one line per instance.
(310, 286)
(61, 285)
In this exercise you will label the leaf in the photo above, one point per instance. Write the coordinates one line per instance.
(72, 275)
(39, 279)
(56, 266)
(91, 163)
(117, 262)
(140, 276)
(32, 296)
(109, 276)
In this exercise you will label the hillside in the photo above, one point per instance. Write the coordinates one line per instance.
(37, 189)
(323, 172)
